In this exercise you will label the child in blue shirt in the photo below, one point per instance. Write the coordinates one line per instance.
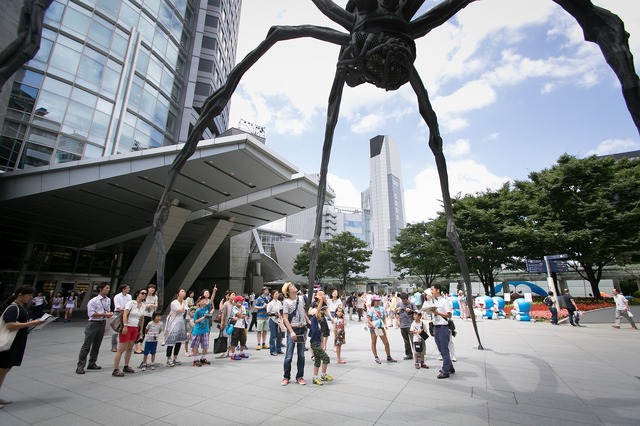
(315, 334)
(200, 332)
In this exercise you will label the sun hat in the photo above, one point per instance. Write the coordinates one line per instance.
(375, 298)
(285, 288)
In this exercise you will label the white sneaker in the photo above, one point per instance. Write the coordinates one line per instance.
(440, 358)
(454, 359)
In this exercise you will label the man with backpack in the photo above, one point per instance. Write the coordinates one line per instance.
(551, 304)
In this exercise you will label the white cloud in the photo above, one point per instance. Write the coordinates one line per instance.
(614, 146)
(457, 149)
(347, 195)
(424, 200)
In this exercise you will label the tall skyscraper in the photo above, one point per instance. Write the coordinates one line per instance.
(114, 76)
(386, 193)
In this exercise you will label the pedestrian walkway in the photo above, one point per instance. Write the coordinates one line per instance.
(528, 373)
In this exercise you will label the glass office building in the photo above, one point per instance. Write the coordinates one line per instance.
(386, 193)
(114, 76)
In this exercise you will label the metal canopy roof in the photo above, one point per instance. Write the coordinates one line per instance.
(96, 202)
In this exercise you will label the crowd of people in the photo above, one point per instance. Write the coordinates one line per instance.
(283, 319)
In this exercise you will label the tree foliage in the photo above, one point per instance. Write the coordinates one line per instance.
(588, 208)
(421, 253)
(486, 222)
(343, 257)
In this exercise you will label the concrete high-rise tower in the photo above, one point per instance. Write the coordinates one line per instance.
(386, 193)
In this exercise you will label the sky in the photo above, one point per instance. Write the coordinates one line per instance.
(513, 83)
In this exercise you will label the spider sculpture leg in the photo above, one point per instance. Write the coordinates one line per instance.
(333, 110)
(27, 44)
(212, 107)
(607, 30)
(435, 143)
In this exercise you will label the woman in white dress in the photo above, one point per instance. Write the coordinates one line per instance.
(176, 332)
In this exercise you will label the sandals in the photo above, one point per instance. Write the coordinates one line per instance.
(417, 366)
(342, 361)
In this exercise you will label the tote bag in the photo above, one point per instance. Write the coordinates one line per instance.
(220, 344)
(6, 336)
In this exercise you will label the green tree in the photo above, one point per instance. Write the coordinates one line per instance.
(347, 256)
(588, 208)
(486, 223)
(343, 257)
(301, 262)
(421, 253)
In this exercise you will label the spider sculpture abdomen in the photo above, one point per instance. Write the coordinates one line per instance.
(378, 58)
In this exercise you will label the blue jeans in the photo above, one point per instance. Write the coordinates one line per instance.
(442, 341)
(299, 343)
(274, 338)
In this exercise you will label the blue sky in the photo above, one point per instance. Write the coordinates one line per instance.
(513, 82)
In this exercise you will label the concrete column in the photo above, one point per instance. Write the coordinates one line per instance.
(143, 267)
(198, 257)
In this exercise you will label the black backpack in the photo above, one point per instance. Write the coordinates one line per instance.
(548, 301)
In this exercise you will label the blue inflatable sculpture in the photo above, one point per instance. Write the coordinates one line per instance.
(521, 310)
(498, 302)
(456, 306)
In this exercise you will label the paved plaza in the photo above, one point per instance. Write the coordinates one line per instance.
(528, 373)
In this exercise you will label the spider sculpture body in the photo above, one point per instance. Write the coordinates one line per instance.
(379, 48)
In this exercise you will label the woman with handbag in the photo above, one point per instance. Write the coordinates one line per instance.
(226, 306)
(15, 329)
(132, 319)
(375, 321)
(273, 313)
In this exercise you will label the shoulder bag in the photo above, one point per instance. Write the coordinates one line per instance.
(6, 336)
(116, 321)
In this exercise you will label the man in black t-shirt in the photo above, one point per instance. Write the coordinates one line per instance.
(571, 306)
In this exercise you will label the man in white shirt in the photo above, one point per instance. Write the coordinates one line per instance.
(441, 318)
(98, 310)
(622, 309)
(119, 302)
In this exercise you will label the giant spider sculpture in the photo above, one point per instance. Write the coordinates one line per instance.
(380, 49)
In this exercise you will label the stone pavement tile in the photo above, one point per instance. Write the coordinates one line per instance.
(550, 400)
(515, 385)
(157, 423)
(69, 401)
(68, 419)
(399, 413)
(316, 414)
(8, 419)
(253, 401)
(97, 391)
(228, 413)
(617, 416)
(283, 421)
(124, 384)
(108, 414)
(180, 399)
(146, 406)
(67, 380)
(494, 395)
(367, 413)
(620, 399)
(33, 410)
(334, 393)
(533, 415)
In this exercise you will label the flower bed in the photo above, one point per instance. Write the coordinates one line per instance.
(540, 312)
